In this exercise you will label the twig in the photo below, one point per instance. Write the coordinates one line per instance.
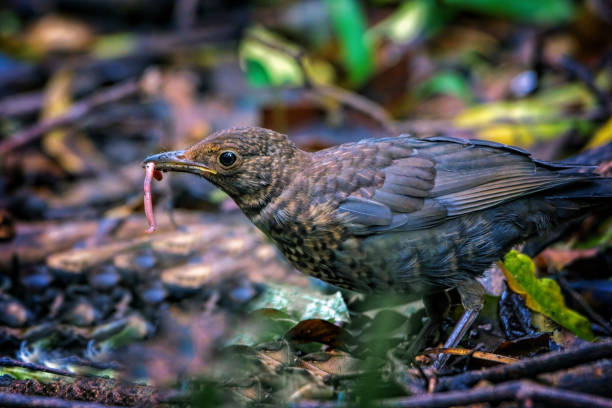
(481, 355)
(112, 94)
(18, 400)
(346, 97)
(23, 104)
(358, 102)
(9, 362)
(514, 390)
(584, 75)
(529, 368)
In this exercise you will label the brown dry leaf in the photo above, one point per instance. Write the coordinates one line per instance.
(332, 362)
(272, 359)
(320, 331)
(298, 383)
(249, 394)
(311, 391)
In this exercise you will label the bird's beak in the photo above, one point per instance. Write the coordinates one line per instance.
(176, 161)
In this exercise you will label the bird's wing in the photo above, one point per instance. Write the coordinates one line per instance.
(427, 181)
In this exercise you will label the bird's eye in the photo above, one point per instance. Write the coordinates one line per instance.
(226, 159)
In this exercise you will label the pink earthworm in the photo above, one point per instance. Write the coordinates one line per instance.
(150, 173)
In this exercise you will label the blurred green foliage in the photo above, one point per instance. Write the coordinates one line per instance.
(542, 11)
(349, 25)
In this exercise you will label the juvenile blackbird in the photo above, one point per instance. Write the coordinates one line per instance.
(399, 214)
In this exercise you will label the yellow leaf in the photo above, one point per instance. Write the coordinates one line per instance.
(602, 136)
(57, 102)
(543, 295)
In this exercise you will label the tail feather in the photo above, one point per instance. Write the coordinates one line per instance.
(572, 203)
(595, 188)
(592, 157)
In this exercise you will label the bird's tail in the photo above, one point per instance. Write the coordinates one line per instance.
(571, 206)
(592, 157)
(593, 194)
(594, 188)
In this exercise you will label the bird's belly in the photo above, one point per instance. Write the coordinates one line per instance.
(427, 260)
(416, 261)
(403, 262)
(360, 264)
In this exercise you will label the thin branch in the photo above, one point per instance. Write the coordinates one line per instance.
(585, 75)
(22, 104)
(80, 109)
(514, 390)
(529, 368)
(9, 362)
(346, 97)
(358, 102)
(481, 355)
(17, 400)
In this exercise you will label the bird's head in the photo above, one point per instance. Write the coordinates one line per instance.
(250, 164)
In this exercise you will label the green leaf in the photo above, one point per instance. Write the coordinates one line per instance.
(542, 11)
(9, 23)
(446, 82)
(412, 20)
(114, 45)
(543, 295)
(265, 65)
(20, 373)
(349, 25)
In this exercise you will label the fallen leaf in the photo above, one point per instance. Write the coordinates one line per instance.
(320, 331)
(602, 136)
(543, 295)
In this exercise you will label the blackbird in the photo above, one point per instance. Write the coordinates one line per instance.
(399, 214)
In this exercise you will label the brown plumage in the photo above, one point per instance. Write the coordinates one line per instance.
(401, 214)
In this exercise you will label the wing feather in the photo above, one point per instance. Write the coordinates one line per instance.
(427, 181)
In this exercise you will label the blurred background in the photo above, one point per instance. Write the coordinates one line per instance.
(88, 88)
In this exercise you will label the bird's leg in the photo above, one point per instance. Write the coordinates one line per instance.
(436, 305)
(472, 297)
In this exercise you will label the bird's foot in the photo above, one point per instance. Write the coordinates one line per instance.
(472, 298)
